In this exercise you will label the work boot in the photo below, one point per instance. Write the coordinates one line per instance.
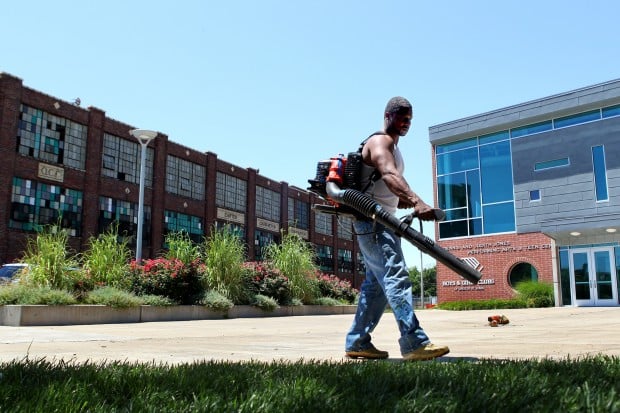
(368, 353)
(427, 352)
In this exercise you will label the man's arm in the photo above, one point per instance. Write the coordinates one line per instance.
(379, 152)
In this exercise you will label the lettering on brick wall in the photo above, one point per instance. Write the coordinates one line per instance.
(51, 172)
(231, 216)
(496, 248)
(464, 285)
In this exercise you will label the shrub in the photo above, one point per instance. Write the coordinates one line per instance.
(224, 257)
(535, 294)
(295, 260)
(156, 300)
(327, 301)
(266, 280)
(112, 297)
(333, 287)
(169, 278)
(265, 303)
(41, 295)
(492, 304)
(106, 261)
(216, 301)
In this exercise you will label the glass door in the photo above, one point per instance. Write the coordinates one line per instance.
(593, 277)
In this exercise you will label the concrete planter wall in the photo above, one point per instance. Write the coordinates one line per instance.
(44, 315)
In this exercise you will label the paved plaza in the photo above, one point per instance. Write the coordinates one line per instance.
(556, 333)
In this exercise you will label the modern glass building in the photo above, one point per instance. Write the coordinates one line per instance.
(532, 192)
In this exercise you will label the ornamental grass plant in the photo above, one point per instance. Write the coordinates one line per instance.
(106, 260)
(50, 263)
(295, 259)
(223, 256)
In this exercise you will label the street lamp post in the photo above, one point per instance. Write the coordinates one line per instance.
(144, 137)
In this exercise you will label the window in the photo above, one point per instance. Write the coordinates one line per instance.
(476, 186)
(345, 260)
(230, 192)
(600, 173)
(51, 138)
(535, 195)
(555, 163)
(498, 218)
(298, 213)
(125, 215)
(325, 258)
(267, 204)
(523, 271)
(496, 172)
(35, 203)
(121, 160)
(531, 129)
(577, 119)
(185, 178)
(262, 240)
(323, 223)
(611, 111)
(361, 267)
(345, 228)
(178, 222)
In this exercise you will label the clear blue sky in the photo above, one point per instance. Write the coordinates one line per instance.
(278, 84)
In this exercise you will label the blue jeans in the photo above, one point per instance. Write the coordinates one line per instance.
(387, 282)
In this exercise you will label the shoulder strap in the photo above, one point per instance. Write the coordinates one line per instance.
(375, 175)
(366, 140)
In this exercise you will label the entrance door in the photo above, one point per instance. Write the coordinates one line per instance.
(593, 277)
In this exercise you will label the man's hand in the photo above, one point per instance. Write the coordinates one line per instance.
(424, 211)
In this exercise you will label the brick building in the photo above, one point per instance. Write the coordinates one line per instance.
(61, 160)
(532, 192)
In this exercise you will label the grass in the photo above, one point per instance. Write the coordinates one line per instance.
(586, 385)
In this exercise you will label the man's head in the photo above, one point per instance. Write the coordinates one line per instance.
(397, 117)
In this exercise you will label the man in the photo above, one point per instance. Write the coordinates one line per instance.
(387, 279)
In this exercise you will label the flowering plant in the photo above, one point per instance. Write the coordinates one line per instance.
(332, 286)
(169, 278)
(267, 280)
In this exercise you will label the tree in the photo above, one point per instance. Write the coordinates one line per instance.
(430, 281)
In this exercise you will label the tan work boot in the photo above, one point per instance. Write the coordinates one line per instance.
(427, 352)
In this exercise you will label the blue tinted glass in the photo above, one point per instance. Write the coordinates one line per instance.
(535, 195)
(452, 191)
(468, 143)
(494, 137)
(474, 198)
(530, 129)
(454, 214)
(457, 161)
(475, 226)
(578, 118)
(496, 172)
(600, 173)
(453, 229)
(565, 277)
(539, 166)
(499, 218)
(611, 111)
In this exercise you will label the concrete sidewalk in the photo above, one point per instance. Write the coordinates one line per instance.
(532, 333)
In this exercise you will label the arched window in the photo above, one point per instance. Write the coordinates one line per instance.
(523, 271)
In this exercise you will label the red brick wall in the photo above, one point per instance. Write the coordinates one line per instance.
(497, 255)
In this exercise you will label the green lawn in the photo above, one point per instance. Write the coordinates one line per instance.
(587, 385)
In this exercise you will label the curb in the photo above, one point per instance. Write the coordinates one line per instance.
(51, 315)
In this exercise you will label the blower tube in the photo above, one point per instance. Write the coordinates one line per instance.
(371, 209)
